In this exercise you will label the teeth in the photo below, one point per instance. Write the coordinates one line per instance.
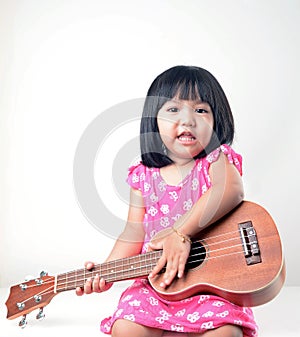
(186, 138)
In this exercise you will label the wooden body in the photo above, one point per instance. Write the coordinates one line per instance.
(229, 276)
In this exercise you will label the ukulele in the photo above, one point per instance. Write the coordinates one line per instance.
(239, 258)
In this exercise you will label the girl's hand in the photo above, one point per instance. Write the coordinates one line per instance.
(174, 257)
(96, 285)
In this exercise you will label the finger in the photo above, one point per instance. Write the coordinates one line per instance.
(88, 286)
(102, 284)
(159, 266)
(89, 265)
(96, 285)
(79, 291)
(181, 267)
(171, 272)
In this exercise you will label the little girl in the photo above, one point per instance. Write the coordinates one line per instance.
(188, 178)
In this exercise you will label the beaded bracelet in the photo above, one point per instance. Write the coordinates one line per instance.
(183, 237)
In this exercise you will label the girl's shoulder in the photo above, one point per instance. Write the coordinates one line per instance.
(139, 174)
(233, 157)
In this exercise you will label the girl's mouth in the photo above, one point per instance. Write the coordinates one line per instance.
(186, 137)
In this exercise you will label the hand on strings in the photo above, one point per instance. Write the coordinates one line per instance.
(174, 257)
(91, 285)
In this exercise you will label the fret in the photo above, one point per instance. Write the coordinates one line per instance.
(75, 279)
(133, 268)
(143, 260)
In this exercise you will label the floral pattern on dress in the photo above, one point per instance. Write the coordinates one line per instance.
(165, 204)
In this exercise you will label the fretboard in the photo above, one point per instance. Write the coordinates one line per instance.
(113, 271)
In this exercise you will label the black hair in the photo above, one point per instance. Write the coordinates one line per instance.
(186, 83)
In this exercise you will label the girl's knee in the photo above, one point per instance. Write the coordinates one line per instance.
(119, 328)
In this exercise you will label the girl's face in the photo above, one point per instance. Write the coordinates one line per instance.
(185, 127)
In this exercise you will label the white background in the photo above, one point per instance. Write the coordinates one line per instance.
(62, 63)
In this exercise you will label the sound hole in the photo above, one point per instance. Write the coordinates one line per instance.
(197, 255)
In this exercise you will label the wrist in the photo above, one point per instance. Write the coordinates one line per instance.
(182, 236)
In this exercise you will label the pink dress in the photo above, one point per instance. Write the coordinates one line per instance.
(164, 205)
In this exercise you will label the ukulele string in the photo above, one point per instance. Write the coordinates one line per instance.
(42, 292)
(81, 277)
(107, 277)
(112, 264)
(75, 277)
(50, 289)
(115, 275)
(130, 260)
(110, 273)
(108, 268)
(49, 281)
(220, 235)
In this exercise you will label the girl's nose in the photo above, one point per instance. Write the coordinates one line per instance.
(187, 117)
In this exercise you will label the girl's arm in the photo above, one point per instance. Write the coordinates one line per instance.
(225, 193)
(129, 242)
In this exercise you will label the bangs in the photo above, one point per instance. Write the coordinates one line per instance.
(190, 83)
(188, 91)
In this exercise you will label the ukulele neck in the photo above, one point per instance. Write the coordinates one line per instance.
(119, 270)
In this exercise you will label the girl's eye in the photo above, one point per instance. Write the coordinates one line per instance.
(201, 111)
(172, 109)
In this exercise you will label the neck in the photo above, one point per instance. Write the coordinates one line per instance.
(113, 271)
(180, 162)
(184, 163)
(175, 173)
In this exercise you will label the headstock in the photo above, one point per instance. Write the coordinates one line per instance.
(28, 296)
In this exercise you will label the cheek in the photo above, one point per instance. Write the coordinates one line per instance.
(206, 131)
(209, 133)
(206, 125)
(165, 127)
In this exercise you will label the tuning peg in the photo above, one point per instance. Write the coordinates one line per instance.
(40, 314)
(23, 322)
